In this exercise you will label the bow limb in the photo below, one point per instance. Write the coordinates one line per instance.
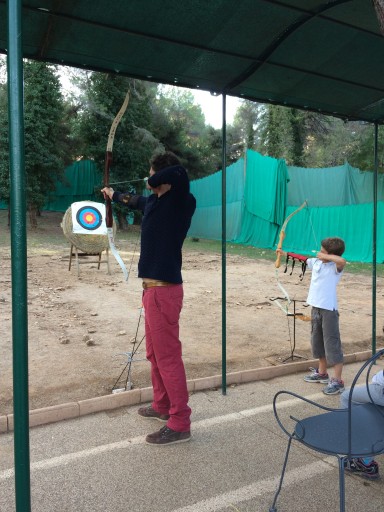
(108, 203)
(278, 258)
(282, 232)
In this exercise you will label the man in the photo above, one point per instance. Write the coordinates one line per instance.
(167, 218)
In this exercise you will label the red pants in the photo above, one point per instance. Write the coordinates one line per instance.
(162, 306)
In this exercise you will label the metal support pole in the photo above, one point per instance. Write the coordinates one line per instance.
(19, 258)
(223, 251)
(374, 240)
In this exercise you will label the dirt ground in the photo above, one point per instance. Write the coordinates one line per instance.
(80, 328)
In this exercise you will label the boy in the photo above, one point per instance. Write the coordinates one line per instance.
(327, 269)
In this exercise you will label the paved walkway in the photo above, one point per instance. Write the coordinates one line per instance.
(100, 462)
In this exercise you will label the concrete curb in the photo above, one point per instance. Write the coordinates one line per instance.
(136, 396)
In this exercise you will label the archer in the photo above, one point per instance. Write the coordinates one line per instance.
(167, 217)
(327, 269)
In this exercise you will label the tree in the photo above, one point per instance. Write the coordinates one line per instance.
(361, 152)
(45, 136)
(276, 135)
(292, 134)
(246, 125)
(179, 124)
(101, 99)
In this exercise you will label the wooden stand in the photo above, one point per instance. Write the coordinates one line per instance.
(74, 252)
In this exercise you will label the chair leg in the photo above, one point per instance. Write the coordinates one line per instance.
(273, 506)
(342, 483)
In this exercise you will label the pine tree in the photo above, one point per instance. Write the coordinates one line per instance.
(43, 136)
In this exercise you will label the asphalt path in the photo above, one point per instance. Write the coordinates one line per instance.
(100, 462)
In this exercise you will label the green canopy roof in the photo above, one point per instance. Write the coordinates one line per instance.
(320, 55)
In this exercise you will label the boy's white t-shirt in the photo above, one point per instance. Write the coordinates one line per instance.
(325, 278)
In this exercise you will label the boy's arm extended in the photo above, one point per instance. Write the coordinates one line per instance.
(338, 260)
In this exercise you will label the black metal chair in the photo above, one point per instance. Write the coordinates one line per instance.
(357, 431)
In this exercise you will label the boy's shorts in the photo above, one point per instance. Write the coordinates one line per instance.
(325, 335)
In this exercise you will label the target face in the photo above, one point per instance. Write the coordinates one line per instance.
(89, 217)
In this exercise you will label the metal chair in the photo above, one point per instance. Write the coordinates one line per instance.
(357, 431)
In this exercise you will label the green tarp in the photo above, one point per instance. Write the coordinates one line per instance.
(206, 222)
(335, 186)
(81, 182)
(339, 204)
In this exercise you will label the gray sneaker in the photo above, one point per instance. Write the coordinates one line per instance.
(334, 387)
(315, 376)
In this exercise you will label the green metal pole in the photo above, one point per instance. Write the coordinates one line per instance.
(223, 252)
(374, 238)
(19, 259)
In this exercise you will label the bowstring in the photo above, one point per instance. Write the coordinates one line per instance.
(312, 228)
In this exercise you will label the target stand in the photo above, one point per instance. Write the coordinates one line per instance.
(86, 248)
(79, 255)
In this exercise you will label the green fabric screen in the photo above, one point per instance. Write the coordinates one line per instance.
(264, 199)
(349, 186)
(265, 191)
(206, 222)
(81, 183)
(353, 223)
(339, 204)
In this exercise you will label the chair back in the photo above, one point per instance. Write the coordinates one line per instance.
(377, 411)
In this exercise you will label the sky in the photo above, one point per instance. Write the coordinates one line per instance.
(212, 107)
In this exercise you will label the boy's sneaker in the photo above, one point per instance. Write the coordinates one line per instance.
(149, 412)
(167, 436)
(357, 466)
(334, 387)
(315, 376)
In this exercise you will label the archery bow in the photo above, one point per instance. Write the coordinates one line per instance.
(282, 232)
(108, 202)
(278, 258)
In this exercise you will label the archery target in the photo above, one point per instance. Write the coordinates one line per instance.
(88, 218)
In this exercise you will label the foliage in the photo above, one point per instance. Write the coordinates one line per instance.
(45, 135)
(61, 128)
(246, 126)
(362, 151)
(276, 136)
(179, 124)
(101, 99)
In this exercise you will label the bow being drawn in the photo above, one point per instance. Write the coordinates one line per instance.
(278, 259)
(282, 232)
(108, 202)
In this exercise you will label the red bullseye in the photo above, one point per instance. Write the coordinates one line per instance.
(89, 218)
